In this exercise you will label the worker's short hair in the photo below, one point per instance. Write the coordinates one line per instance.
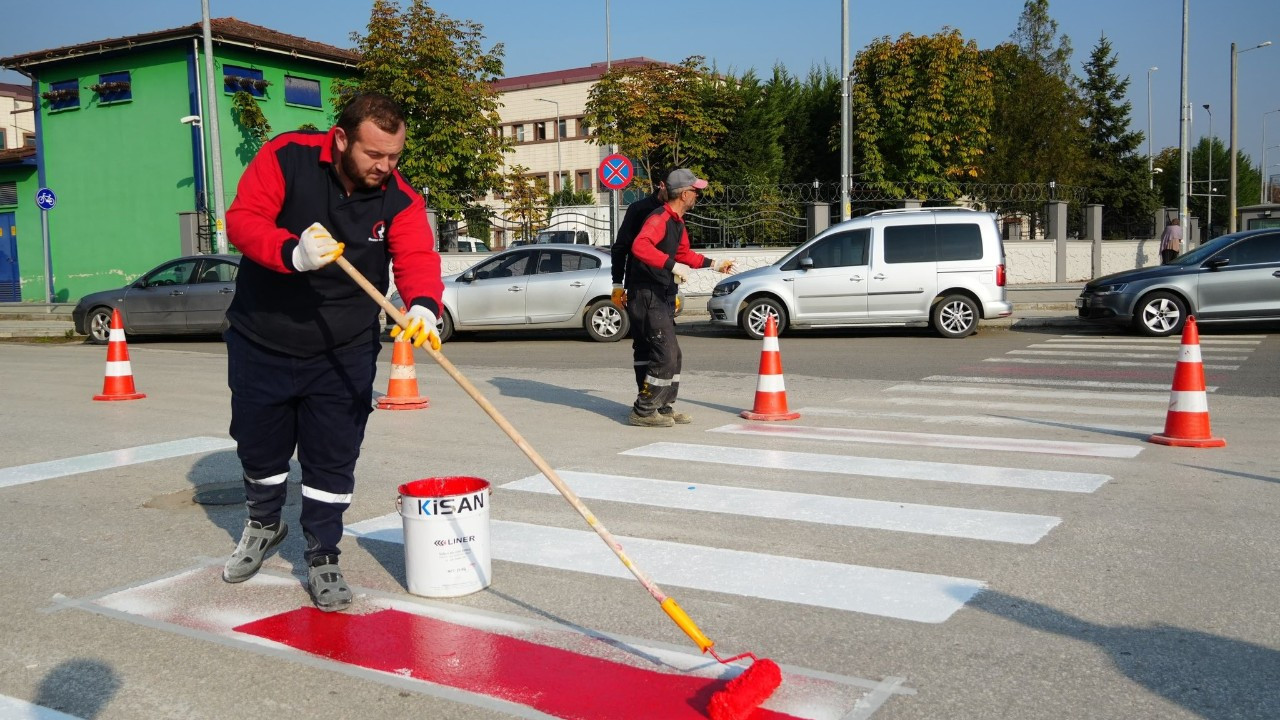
(382, 110)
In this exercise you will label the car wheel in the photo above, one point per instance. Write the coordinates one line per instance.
(955, 316)
(606, 323)
(757, 313)
(98, 325)
(1160, 314)
(444, 326)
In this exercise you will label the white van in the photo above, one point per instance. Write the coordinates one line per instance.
(939, 267)
(471, 245)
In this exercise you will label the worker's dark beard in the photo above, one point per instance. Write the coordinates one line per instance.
(352, 173)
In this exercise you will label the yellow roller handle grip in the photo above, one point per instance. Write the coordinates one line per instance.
(681, 618)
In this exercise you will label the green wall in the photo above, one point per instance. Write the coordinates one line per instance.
(123, 171)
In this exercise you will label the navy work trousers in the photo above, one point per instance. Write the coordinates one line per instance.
(654, 349)
(317, 405)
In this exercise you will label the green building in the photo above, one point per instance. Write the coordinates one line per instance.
(120, 142)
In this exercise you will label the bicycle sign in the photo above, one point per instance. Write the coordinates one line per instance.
(45, 199)
(616, 172)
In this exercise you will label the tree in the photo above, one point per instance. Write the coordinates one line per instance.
(435, 68)
(659, 115)
(528, 202)
(810, 113)
(921, 106)
(1117, 173)
(1037, 36)
(1248, 179)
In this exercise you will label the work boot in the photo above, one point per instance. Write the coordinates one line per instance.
(328, 589)
(256, 541)
(654, 420)
(678, 417)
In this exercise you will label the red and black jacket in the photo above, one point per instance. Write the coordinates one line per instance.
(290, 184)
(660, 244)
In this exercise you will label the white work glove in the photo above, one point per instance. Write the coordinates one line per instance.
(681, 271)
(723, 266)
(421, 329)
(316, 248)
(618, 297)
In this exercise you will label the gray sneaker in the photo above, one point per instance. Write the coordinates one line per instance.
(256, 541)
(654, 420)
(678, 418)
(328, 589)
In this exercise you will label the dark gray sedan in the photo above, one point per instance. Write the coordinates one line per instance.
(1232, 278)
(187, 295)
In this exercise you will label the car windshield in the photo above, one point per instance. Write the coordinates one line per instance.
(1202, 253)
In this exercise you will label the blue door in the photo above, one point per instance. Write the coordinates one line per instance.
(10, 288)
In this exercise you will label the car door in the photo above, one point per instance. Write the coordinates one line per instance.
(833, 289)
(210, 295)
(496, 293)
(1242, 280)
(156, 303)
(558, 289)
(904, 272)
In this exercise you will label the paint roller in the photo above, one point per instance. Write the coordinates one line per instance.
(739, 698)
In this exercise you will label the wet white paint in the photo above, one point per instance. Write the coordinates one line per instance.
(35, 472)
(801, 507)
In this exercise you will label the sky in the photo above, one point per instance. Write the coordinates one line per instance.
(740, 35)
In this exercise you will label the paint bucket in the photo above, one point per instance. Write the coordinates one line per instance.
(446, 535)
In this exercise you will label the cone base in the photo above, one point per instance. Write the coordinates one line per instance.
(126, 396)
(752, 415)
(1209, 442)
(409, 403)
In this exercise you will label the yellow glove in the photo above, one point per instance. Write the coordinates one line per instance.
(316, 248)
(723, 266)
(619, 297)
(422, 328)
(678, 304)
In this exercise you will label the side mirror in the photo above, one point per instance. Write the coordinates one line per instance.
(467, 276)
(139, 283)
(806, 263)
(1218, 262)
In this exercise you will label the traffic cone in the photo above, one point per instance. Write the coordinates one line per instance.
(1187, 424)
(771, 393)
(402, 388)
(118, 383)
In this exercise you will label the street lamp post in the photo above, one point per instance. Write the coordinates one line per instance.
(1209, 192)
(559, 171)
(1232, 204)
(1263, 172)
(1151, 176)
(1262, 198)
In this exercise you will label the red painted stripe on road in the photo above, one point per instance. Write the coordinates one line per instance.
(558, 682)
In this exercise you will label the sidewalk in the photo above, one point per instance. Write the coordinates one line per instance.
(1033, 306)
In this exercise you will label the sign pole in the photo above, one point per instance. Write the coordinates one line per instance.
(48, 267)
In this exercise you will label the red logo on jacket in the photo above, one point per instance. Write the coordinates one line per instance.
(379, 232)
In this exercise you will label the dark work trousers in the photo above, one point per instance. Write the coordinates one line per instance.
(318, 405)
(653, 341)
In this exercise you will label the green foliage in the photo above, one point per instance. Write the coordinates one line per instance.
(308, 126)
(810, 117)
(1117, 173)
(246, 111)
(435, 67)
(921, 107)
(1037, 38)
(568, 197)
(528, 202)
(1248, 180)
(661, 116)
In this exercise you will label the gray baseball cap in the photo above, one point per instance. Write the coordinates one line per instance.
(681, 179)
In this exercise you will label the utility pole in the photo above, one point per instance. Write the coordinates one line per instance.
(844, 111)
(215, 148)
(613, 194)
(1209, 212)
(1232, 222)
(1151, 180)
(1184, 120)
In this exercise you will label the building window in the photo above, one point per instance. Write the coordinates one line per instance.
(562, 129)
(583, 129)
(540, 131)
(235, 79)
(302, 91)
(28, 139)
(518, 132)
(63, 95)
(2, 143)
(113, 87)
(584, 180)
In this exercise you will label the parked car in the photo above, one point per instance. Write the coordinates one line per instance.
(534, 287)
(187, 295)
(471, 245)
(573, 237)
(939, 267)
(1232, 278)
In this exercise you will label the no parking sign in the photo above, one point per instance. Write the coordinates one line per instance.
(616, 172)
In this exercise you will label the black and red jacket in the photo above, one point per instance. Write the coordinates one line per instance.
(291, 183)
(661, 243)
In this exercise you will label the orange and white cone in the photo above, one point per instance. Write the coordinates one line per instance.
(771, 391)
(118, 383)
(402, 388)
(1187, 423)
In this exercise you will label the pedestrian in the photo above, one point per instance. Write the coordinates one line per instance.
(661, 258)
(637, 213)
(1171, 241)
(304, 338)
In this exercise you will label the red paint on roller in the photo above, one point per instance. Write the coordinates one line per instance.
(555, 681)
(744, 693)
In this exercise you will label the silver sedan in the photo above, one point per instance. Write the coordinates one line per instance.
(534, 287)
